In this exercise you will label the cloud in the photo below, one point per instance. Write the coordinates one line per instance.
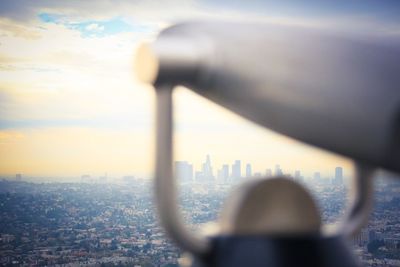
(64, 79)
(10, 28)
(27, 11)
(349, 16)
(75, 78)
(94, 27)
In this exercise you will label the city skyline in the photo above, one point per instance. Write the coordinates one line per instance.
(185, 171)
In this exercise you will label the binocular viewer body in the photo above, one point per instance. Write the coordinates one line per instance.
(333, 90)
(281, 251)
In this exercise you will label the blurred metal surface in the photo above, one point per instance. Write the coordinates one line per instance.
(358, 207)
(165, 182)
(270, 206)
(361, 197)
(337, 92)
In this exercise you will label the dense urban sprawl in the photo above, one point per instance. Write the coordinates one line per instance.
(106, 224)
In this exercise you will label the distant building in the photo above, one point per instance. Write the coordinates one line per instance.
(361, 239)
(278, 170)
(184, 171)
(297, 176)
(372, 235)
(18, 177)
(205, 175)
(392, 243)
(268, 172)
(236, 170)
(207, 170)
(338, 179)
(7, 238)
(248, 170)
(223, 174)
(199, 176)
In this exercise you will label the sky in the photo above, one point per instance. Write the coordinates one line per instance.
(70, 103)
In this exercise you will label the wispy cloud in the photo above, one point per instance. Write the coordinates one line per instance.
(98, 28)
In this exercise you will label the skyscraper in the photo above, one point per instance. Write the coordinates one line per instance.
(248, 170)
(18, 177)
(199, 177)
(338, 180)
(297, 176)
(207, 170)
(184, 171)
(268, 172)
(236, 170)
(278, 170)
(223, 174)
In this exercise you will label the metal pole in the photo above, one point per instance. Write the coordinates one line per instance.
(165, 182)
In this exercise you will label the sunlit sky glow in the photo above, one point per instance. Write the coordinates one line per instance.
(70, 105)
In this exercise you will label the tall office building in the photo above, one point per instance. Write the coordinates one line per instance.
(236, 170)
(219, 176)
(223, 174)
(278, 170)
(184, 171)
(338, 180)
(248, 170)
(18, 177)
(268, 172)
(297, 176)
(199, 177)
(207, 170)
(225, 171)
